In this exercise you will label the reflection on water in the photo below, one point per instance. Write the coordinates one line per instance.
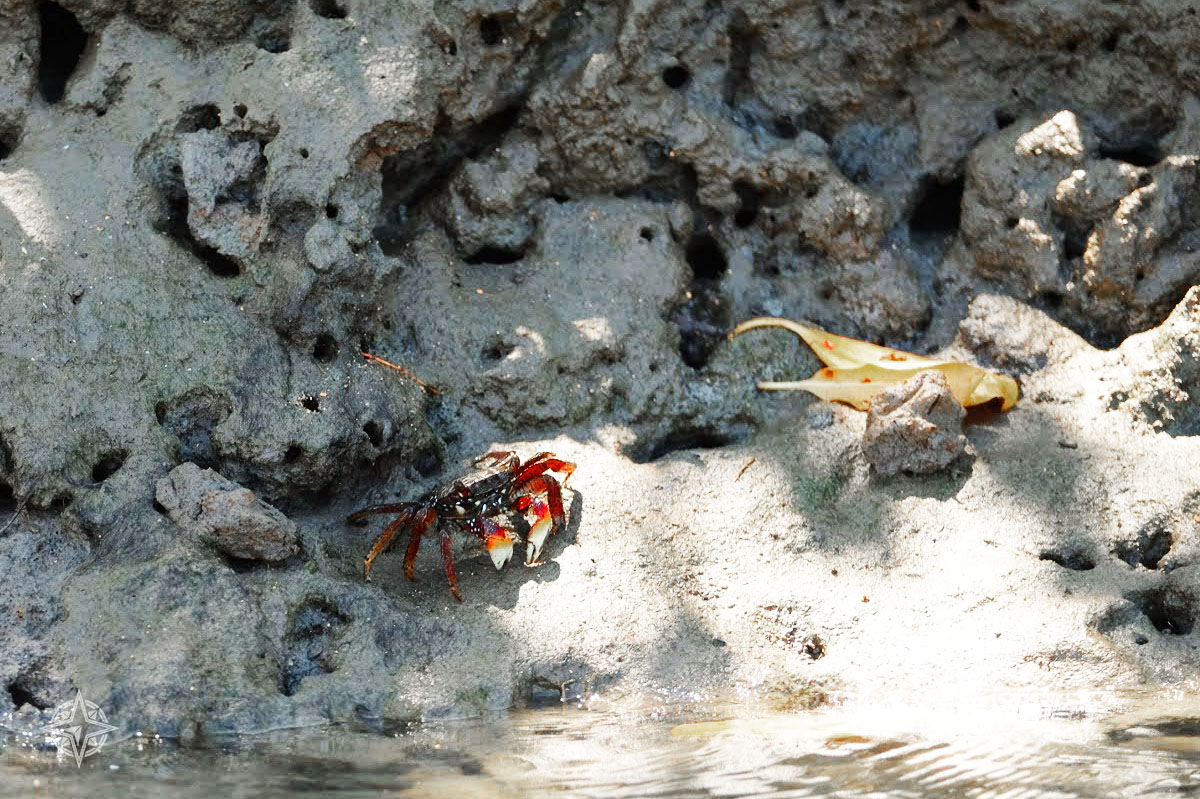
(1092, 746)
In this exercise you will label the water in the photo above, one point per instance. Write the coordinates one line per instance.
(1007, 746)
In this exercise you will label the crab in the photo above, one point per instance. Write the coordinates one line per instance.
(500, 485)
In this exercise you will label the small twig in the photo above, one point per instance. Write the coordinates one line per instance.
(12, 518)
(403, 370)
(749, 463)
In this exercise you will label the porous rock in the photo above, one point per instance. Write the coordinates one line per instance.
(915, 427)
(1165, 391)
(553, 213)
(224, 515)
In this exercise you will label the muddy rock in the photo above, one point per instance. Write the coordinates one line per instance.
(915, 428)
(218, 512)
(1166, 362)
(550, 215)
(1054, 211)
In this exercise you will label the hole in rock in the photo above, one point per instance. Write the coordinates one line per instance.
(497, 256)
(309, 643)
(62, 43)
(329, 9)
(1073, 559)
(676, 76)
(1144, 154)
(676, 440)
(491, 31)
(940, 208)
(273, 41)
(325, 349)
(1168, 609)
(108, 465)
(199, 117)
(784, 128)
(704, 318)
(1148, 549)
(22, 695)
(9, 136)
(705, 256)
(750, 199)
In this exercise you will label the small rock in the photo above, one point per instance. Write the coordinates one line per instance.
(915, 427)
(224, 515)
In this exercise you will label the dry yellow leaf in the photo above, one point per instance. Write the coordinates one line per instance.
(855, 371)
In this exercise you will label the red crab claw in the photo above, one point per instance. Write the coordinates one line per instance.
(539, 529)
(500, 548)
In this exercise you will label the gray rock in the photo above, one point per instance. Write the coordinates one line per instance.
(552, 213)
(220, 513)
(915, 428)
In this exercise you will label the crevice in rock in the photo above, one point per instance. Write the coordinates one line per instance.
(491, 29)
(676, 76)
(374, 431)
(1145, 154)
(325, 348)
(60, 502)
(62, 43)
(703, 320)
(750, 200)
(10, 136)
(498, 256)
(687, 437)
(8, 502)
(243, 565)
(199, 117)
(328, 9)
(940, 208)
(108, 464)
(21, 694)
(192, 418)
(1152, 544)
(784, 127)
(742, 37)
(1069, 558)
(412, 176)
(496, 349)
(1169, 609)
(272, 36)
(175, 226)
(312, 631)
(1138, 138)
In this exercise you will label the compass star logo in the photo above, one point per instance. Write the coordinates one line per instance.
(80, 726)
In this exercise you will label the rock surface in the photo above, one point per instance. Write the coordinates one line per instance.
(220, 513)
(552, 213)
(915, 428)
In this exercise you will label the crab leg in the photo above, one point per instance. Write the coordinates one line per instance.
(548, 513)
(496, 537)
(388, 535)
(448, 562)
(543, 462)
(495, 455)
(398, 507)
(414, 542)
